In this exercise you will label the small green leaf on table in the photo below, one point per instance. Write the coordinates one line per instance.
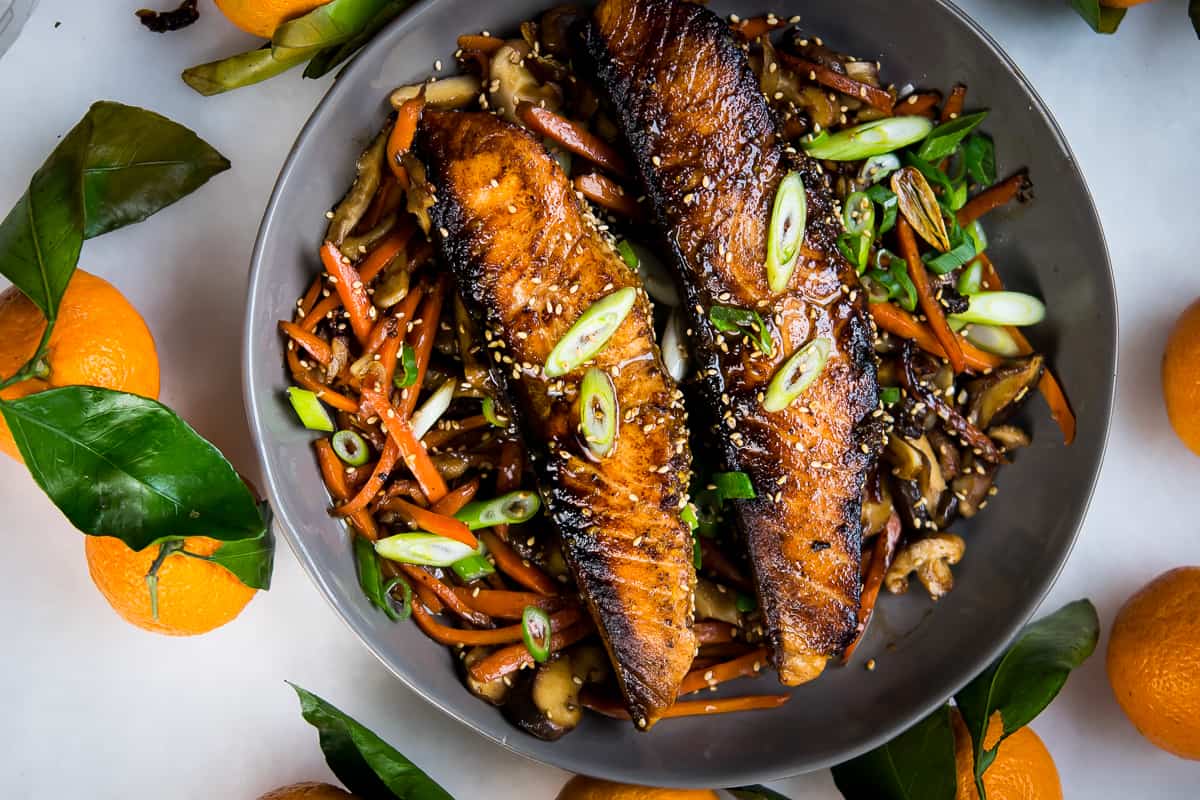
(1102, 19)
(121, 465)
(365, 764)
(1022, 682)
(916, 765)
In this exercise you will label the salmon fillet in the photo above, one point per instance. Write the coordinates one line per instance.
(707, 149)
(528, 262)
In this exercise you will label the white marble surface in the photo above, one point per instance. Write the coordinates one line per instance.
(98, 709)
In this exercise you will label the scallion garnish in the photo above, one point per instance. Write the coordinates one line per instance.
(473, 567)
(309, 409)
(797, 374)
(970, 281)
(920, 207)
(943, 139)
(1003, 308)
(405, 610)
(688, 515)
(733, 320)
(625, 250)
(869, 139)
(885, 198)
(407, 375)
(858, 217)
(733, 486)
(598, 412)
(789, 215)
(350, 448)
(876, 168)
(745, 603)
(975, 231)
(508, 509)
(979, 156)
(993, 339)
(425, 417)
(588, 335)
(889, 395)
(427, 549)
(489, 413)
(953, 258)
(536, 633)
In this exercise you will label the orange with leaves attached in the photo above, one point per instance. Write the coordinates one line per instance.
(1022, 769)
(1181, 377)
(262, 17)
(99, 340)
(193, 595)
(584, 788)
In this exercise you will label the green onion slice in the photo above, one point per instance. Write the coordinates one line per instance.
(473, 567)
(351, 448)
(993, 339)
(689, 516)
(797, 374)
(858, 213)
(590, 332)
(733, 320)
(489, 413)
(1003, 308)
(427, 549)
(789, 215)
(970, 281)
(405, 610)
(733, 486)
(425, 417)
(876, 168)
(309, 409)
(944, 138)
(406, 376)
(889, 395)
(975, 231)
(745, 603)
(508, 509)
(625, 250)
(535, 630)
(869, 139)
(598, 412)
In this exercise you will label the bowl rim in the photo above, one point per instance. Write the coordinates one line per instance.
(412, 19)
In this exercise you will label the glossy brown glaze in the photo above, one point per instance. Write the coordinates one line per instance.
(528, 262)
(709, 154)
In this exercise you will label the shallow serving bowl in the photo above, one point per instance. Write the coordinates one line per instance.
(924, 652)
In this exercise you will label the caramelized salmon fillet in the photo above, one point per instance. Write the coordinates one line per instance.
(708, 151)
(528, 262)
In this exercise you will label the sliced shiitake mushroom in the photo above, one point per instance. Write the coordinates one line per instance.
(716, 602)
(554, 29)
(972, 486)
(512, 82)
(994, 396)
(494, 692)
(931, 481)
(910, 504)
(545, 703)
(1010, 437)
(453, 92)
(905, 459)
(877, 505)
(947, 453)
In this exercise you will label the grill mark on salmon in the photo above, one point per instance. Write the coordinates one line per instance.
(528, 261)
(708, 151)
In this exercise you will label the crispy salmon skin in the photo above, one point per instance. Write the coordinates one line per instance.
(528, 263)
(708, 151)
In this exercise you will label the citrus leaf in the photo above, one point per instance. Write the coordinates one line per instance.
(121, 465)
(329, 58)
(916, 765)
(365, 764)
(1102, 19)
(326, 25)
(250, 560)
(1023, 681)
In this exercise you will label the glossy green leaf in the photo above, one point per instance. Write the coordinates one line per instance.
(943, 139)
(756, 792)
(331, 57)
(916, 765)
(1102, 19)
(121, 465)
(244, 69)
(250, 560)
(1023, 681)
(365, 764)
(979, 157)
(324, 26)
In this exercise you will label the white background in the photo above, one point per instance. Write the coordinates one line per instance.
(96, 708)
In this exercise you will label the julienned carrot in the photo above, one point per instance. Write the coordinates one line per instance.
(954, 103)
(445, 595)
(300, 375)
(713, 632)
(440, 436)
(872, 95)
(992, 197)
(1048, 385)
(382, 254)
(403, 132)
(310, 297)
(456, 498)
(508, 660)
(571, 136)
(509, 562)
(335, 479)
(506, 604)
(433, 522)
(918, 104)
(606, 192)
(714, 561)
(895, 320)
(320, 311)
(610, 707)
(750, 29)
(424, 334)
(484, 44)
(350, 289)
(887, 542)
(386, 200)
(948, 339)
(704, 678)
(512, 633)
(393, 324)
(317, 347)
(387, 462)
(415, 456)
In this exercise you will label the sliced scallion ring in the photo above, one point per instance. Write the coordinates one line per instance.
(970, 280)
(869, 139)
(309, 409)
(489, 413)
(1003, 308)
(508, 509)
(598, 412)
(350, 447)
(876, 168)
(425, 417)
(789, 215)
(975, 231)
(536, 633)
(427, 549)
(797, 374)
(588, 335)
(993, 339)
(405, 610)
(473, 567)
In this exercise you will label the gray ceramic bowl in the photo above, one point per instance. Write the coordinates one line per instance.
(924, 652)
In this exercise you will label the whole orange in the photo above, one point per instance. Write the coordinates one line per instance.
(1181, 377)
(262, 17)
(1154, 661)
(1022, 769)
(193, 595)
(308, 791)
(99, 340)
(582, 788)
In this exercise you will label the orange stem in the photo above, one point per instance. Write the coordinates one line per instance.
(400, 140)
(445, 595)
(387, 462)
(440, 436)
(572, 136)
(954, 103)
(335, 480)
(484, 44)
(510, 563)
(886, 545)
(948, 339)
(300, 375)
(425, 334)
(506, 604)
(919, 104)
(750, 29)
(688, 708)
